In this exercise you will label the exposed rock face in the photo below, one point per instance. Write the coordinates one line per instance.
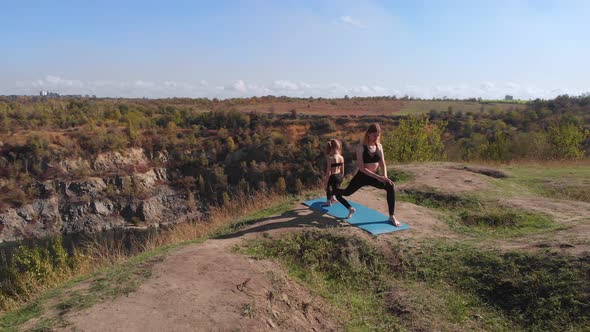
(96, 204)
(116, 160)
(38, 219)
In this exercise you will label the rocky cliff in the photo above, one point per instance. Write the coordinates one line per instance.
(136, 199)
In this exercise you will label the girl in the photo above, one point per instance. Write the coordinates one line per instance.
(369, 158)
(334, 170)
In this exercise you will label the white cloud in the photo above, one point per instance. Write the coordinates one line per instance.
(487, 86)
(59, 81)
(143, 84)
(512, 85)
(305, 85)
(351, 22)
(285, 85)
(365, 90)
(171, 84)
(248, 89)
(244, 88)
(51, 80)
(239, 86)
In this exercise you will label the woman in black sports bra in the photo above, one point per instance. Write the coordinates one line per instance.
(334, 170)
(369, 158)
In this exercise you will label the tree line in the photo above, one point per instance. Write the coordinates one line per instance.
(216, 154)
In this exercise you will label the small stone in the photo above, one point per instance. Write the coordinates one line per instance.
(270, 323)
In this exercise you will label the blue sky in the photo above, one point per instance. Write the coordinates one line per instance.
(477, 48)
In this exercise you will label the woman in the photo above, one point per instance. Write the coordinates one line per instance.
(334, 170)
(369, 158)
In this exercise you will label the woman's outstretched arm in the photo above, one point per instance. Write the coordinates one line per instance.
(382, 160)
(386, 179)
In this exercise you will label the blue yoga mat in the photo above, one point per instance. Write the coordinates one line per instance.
(365, 218)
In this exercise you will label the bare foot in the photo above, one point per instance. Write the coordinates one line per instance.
(327, 203)
(394, 221)
(351, 211)
(333, 200)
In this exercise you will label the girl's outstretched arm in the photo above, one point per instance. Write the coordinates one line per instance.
(328, 171)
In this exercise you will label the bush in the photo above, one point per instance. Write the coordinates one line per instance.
(415, 139)
(32, 267)
(566, 141)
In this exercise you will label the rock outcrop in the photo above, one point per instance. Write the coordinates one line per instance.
(139, 199)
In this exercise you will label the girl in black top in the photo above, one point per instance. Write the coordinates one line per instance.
(369, 158)
(334, 170)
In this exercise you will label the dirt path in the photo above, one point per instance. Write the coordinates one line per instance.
(446, 177)
(573, 217)
(209, 287)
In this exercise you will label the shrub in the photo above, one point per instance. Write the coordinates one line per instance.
(566, 141)
(415, 139)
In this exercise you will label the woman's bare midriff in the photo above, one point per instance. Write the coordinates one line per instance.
(336, 170)
(372, 166)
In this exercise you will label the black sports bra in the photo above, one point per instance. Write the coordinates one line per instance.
(370, 158)
(336, 164)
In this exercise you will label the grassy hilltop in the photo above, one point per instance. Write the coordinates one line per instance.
(496, 194)
(503, 251)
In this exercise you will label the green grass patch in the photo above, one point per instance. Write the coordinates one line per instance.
(12, 320)
(538, 292)
(502, 222)
(432, 199)
(483, 218)
(399, 176)
(572, 192)
(46, 325)
(562, 181)
(76, 300)
(345, 270)
(439, 306)
(355, 277)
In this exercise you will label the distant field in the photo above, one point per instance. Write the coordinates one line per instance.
(329, 107)
(374, 107)
(425, 106)
(370, 106)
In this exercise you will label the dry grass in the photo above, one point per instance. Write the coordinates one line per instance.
(99, 253)
(219, 217)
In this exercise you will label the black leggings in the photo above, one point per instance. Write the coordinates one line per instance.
(334, 182)
(360, 180)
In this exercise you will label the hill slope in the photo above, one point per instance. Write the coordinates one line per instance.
(212, 286)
